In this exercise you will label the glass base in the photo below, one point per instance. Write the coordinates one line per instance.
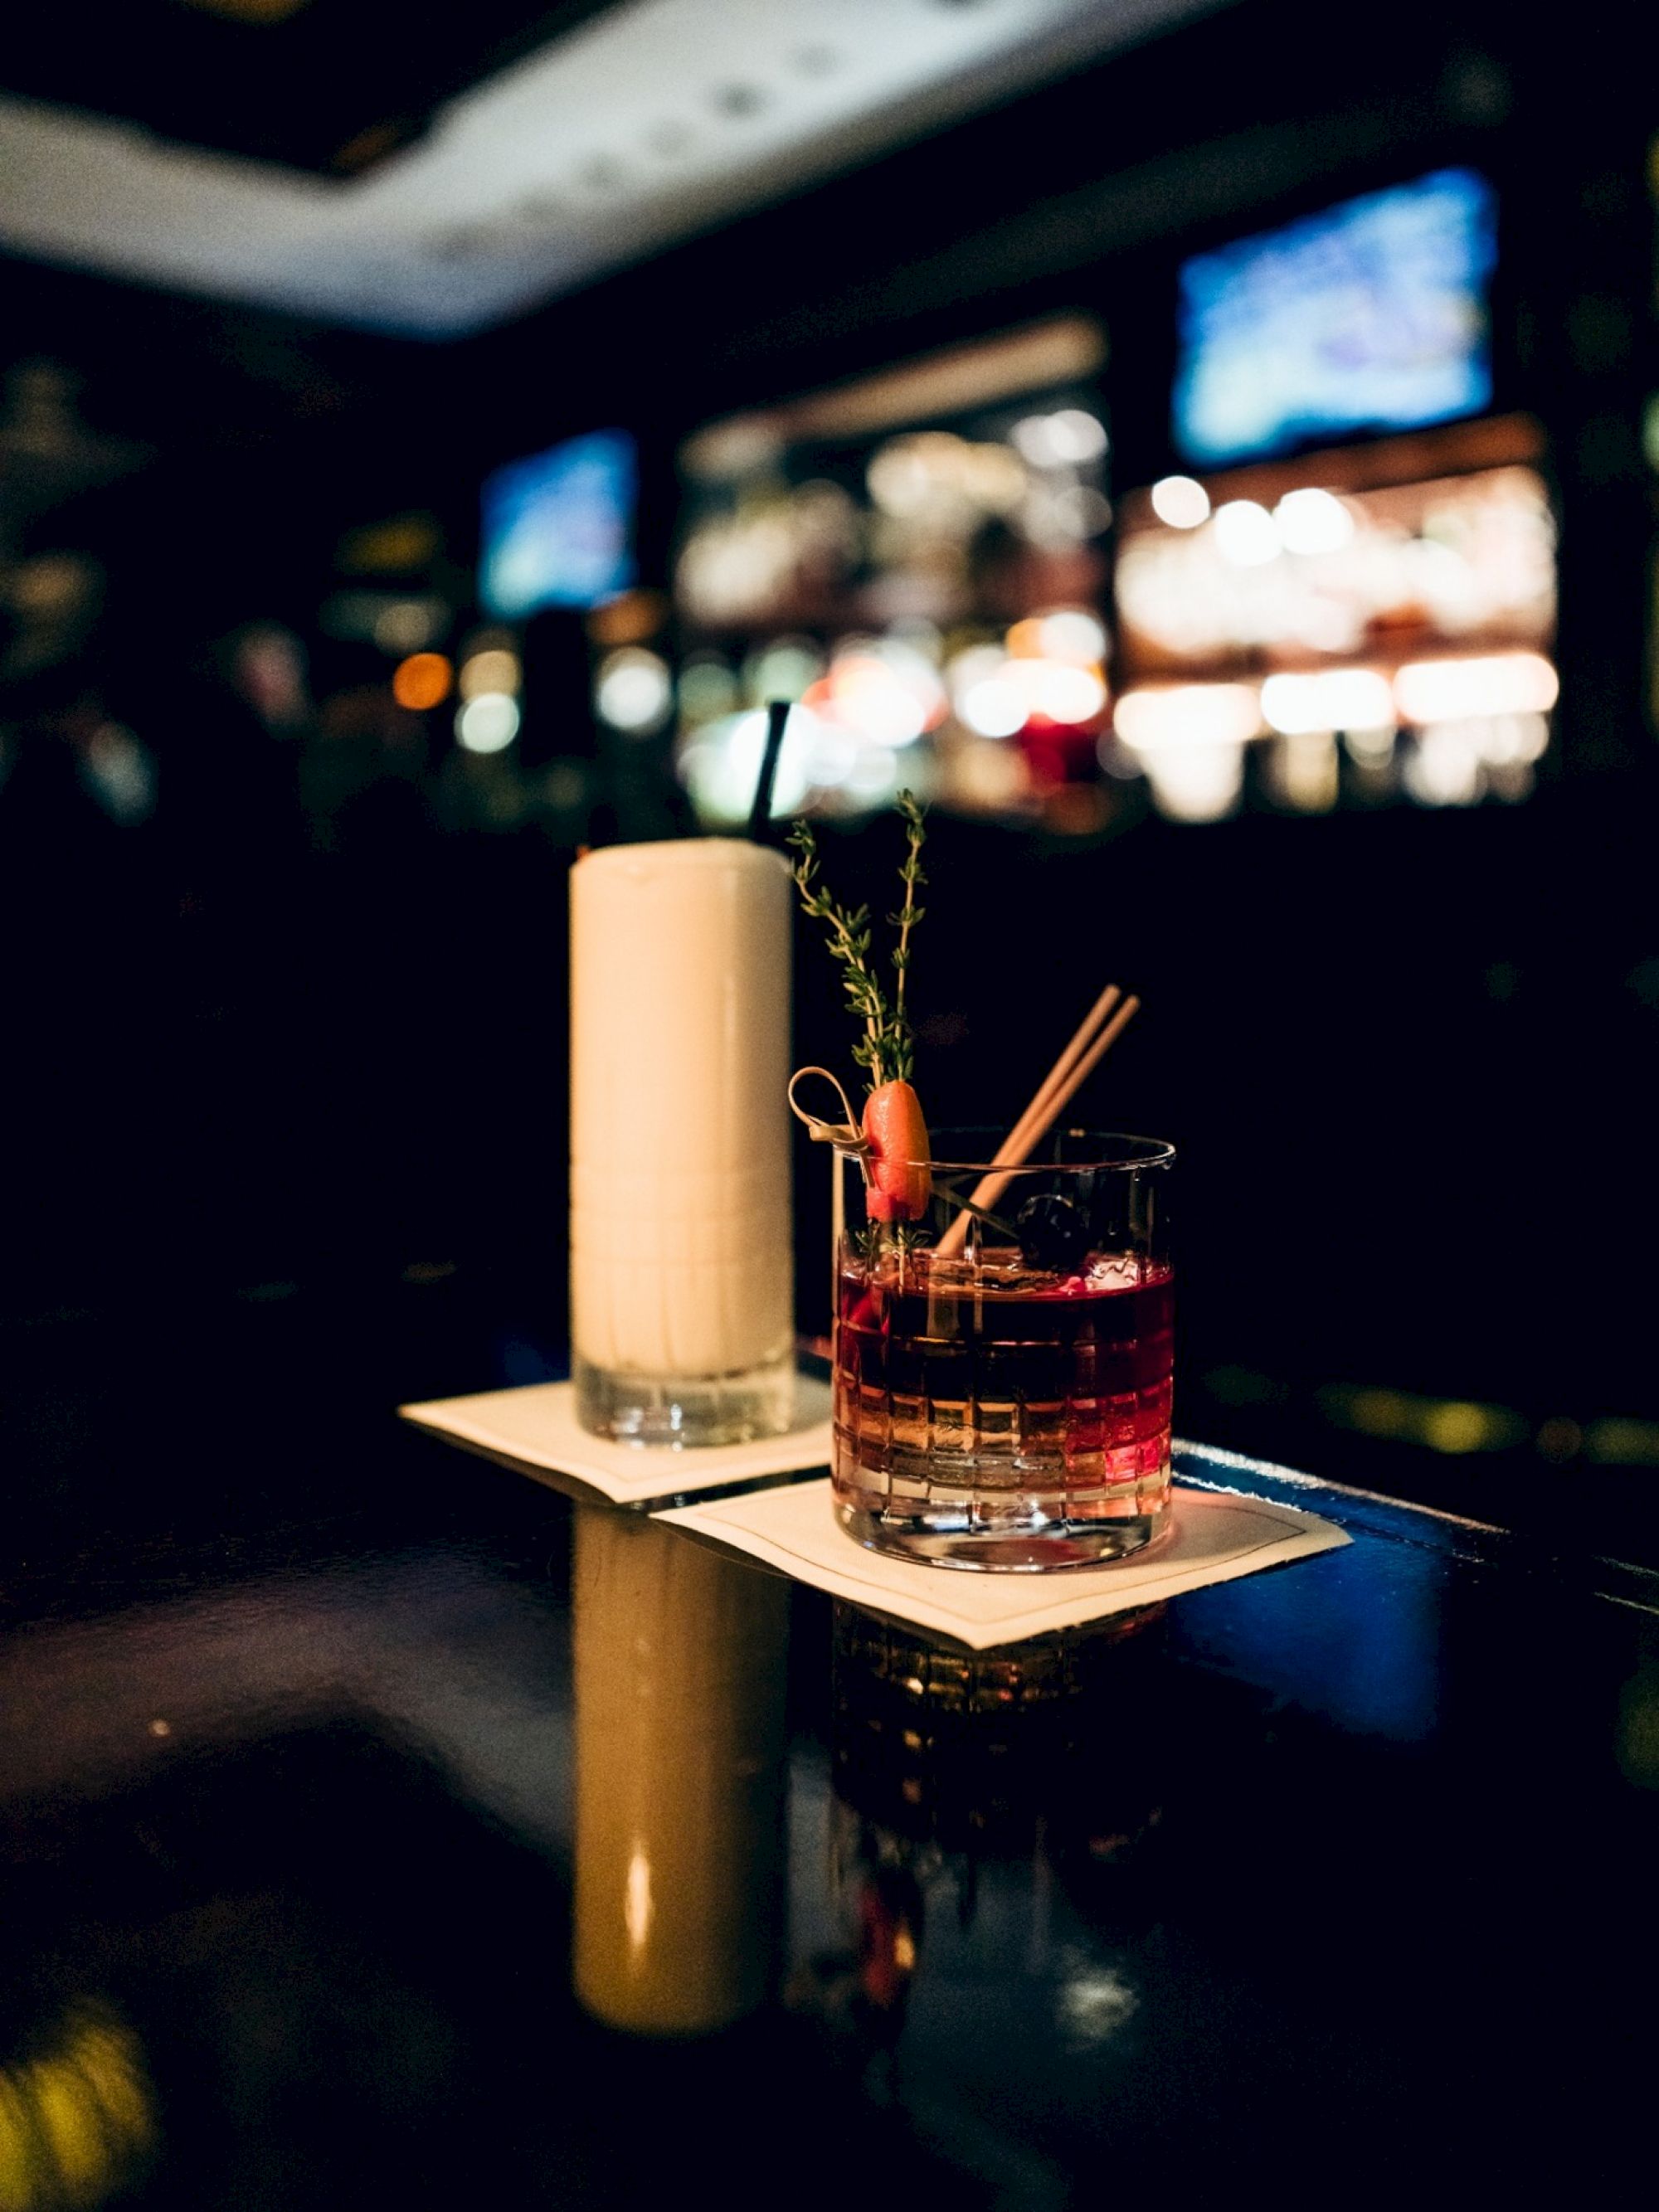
(684, 1411)
(1039, 1547)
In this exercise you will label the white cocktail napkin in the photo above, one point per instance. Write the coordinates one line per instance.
(536, 1429)
(1215, 1539)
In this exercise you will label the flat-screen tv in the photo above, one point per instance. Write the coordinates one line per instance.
(1371, 316)
(558, 528)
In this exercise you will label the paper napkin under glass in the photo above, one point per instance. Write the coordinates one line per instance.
(535, 1428)
(1217, 1537)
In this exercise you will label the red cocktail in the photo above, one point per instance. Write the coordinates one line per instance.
(1002, 1393)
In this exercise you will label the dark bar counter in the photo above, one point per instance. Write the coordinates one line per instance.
(1337, 1880)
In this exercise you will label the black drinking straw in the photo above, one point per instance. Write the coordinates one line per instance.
(759, 814)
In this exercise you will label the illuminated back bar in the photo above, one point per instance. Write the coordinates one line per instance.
(1361, 623)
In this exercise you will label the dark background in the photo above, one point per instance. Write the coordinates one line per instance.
(256, 1084)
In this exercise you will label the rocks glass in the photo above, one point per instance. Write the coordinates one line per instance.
(1002, 1388)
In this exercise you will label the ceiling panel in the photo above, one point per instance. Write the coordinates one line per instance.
(328, 85)
(635, 127)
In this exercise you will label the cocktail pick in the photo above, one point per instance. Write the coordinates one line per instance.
(846, 1136)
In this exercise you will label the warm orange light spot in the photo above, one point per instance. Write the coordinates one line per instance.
(250, 11)
(629, 619)
(421, 681)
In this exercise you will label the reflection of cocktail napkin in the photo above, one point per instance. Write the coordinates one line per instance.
(536, 1429)
(1215, 1539)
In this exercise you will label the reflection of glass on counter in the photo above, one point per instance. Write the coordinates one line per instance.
(970, 1751)
(955, 1769)
(679, 1690)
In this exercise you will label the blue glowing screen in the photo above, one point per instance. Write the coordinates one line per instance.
(558, 528)
(1371, 316)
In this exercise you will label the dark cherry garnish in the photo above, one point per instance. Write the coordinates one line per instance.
(1054, 1234)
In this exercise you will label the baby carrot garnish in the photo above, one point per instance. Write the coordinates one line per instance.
(901, 1181)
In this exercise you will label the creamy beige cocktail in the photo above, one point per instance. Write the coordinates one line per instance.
(681, 1267)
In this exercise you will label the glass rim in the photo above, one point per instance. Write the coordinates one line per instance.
(1151, 1152)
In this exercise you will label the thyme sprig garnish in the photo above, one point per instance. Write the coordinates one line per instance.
(887, 1047)
(910, 914)
(849, 942)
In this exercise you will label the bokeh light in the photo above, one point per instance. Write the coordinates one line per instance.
(1306, 771)
(993, 705)
(1327, 699)
(494, 669)
(407, 625)
(1066, 439)
(1195, 783)
(708, 687)
(1187, 714)
(1488, 684)
(721, 766)
(783, 668)
(633, 690)
(1311, 522)
(882, 689)
(1072, 634)
(1181, 501)
(1246, 534)
(487, 723)
(422, 682)
(1443, 768)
